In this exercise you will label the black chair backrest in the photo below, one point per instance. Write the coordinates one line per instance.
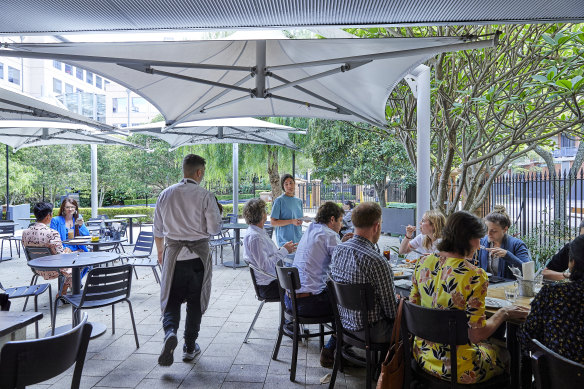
(288, 281)
(232, 217)
(145, 242)
(104, 283)
(253, 270)
(552, 371)
(448, 326)
(31, 252)
(29, 362)
(6, 229)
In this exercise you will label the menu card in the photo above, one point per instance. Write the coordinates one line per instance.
(528, 271)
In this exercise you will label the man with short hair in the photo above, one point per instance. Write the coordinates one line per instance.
(358, 261)
(313, 259)
(41, 235)
(186, 215)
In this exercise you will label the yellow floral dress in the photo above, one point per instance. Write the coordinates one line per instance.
(453, 283)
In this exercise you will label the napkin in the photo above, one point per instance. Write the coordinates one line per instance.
(528, 269)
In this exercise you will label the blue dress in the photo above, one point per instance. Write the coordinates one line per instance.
(286, 208)
(58, 223)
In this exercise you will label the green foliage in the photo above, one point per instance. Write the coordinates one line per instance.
(544, 240)
(228, 208)
(113, 212)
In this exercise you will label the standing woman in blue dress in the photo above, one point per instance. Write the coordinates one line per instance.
(69, 219)
(287, 213)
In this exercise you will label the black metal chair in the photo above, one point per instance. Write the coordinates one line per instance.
(31, 291)
(7, 234)
(32, 252)
(141, 254)
(222, 239)
(253, 270)
(360, 298)
(552, 371)
(289, 282)
(29, 362)
(104, 286)
(439, 326)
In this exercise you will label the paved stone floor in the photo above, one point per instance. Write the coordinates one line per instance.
(113, 361)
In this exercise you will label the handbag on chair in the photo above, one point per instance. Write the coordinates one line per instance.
(392, 368)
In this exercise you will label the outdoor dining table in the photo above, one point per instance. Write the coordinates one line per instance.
(76, 261)
(237, 227)
(131, 218)
(97, 246)
(13, 325)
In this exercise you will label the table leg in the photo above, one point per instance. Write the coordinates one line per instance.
(131, 223)
(515, 352)
(235, 263)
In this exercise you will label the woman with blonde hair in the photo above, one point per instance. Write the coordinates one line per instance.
(499, 249)
(431, 227)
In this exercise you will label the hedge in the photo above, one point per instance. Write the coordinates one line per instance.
(242, 196)
(151, 200)
(113, 212)
(228, 208)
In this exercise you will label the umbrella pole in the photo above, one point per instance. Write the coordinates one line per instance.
(7, 184)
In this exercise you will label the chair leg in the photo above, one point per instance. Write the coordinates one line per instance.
(253, 321)
(155, 274)
(135, 271)
(36, 323)
(279, 340)
(133, 323)
(368, 369)
(294, 352)
(321, 336)
(338, 358)
(51, 310)
(33, 281)
(113, 318)
(54, 318)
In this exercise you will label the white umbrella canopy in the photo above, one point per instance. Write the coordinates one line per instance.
(28, 133)
(230, 130)
(338, 79)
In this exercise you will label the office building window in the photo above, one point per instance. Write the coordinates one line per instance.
(89, 77)
(98, 81)
(79, 90)
(68, 88)
(13, 75)
(105, 84)
(69, 69)
(139, 104)
(57, 65)
(119, 105)
(57, 86)
(1, 71)
(79, 73)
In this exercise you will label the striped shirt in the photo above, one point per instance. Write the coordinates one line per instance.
(356, 261)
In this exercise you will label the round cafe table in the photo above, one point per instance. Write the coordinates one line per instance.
(76, 261)
(237, 227)
(131, 218)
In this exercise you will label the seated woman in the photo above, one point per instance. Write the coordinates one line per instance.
(501, 250)
(68, 219)
(40, 235)
(557, 313)
(348, 208)
(260, 250)
(479, 360)
(557, 268)
(431, 227)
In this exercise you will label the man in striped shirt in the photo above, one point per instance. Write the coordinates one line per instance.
(358, 261)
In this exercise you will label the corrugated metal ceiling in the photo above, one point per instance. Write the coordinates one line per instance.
(59, 16)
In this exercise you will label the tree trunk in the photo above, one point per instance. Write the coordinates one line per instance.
(380, 190)
(273, 171)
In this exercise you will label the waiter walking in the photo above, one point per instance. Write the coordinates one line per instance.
(186, 215)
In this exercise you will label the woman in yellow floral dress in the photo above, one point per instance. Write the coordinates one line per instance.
(448, 280)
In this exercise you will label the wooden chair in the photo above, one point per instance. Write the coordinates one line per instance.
(439, 326)
(253, 270)
(29, 362)
(360, 298)
(104, 286)
(141, 256)
(289, 282)
(552, 371)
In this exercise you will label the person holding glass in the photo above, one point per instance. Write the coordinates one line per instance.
(448, 280)
(499, 250)
(557, 269)
(430, 227)
(557, 313)
(69, 223)
(287, 213)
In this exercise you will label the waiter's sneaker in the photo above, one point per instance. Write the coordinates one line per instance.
(166, 357)
(189, 353)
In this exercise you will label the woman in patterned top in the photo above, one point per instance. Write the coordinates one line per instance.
(557, 312)
(448, 280)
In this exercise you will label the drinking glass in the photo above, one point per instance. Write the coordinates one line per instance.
(538, 283)
(511, 293)
(387, 252)
(70, 233)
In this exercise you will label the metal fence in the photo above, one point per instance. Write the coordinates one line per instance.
(313, 194)
(542, 206)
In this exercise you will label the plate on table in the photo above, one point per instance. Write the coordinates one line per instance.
(492, 302)
(401, 273)
(79, 240)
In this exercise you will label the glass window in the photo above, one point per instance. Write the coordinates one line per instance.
(79, 73)
(1, 71)
(89, 77)
(105, 84)
(57, 65)
(69, 69)
(119, 105)
(98, 81)
(57, 86)
(79, 90)
(13, 75)
(68, 88)
(139, 104)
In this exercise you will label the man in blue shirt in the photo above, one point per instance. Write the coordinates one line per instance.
(313, 259)
(287, 213)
